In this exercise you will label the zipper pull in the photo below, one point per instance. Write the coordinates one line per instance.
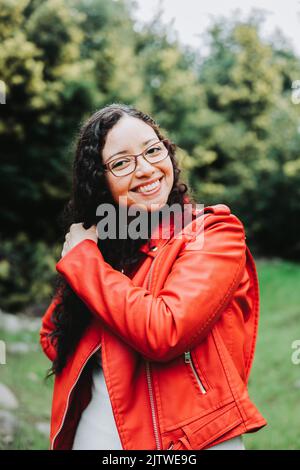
(187, 357)
(188, 360)
(171, 445)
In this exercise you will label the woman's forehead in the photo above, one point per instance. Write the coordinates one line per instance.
(128, 136)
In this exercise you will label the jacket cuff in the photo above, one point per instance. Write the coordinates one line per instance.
(85, 244)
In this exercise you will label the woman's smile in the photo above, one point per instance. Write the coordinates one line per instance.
(149, 189)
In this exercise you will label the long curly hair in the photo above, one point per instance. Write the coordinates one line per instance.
(89, 189)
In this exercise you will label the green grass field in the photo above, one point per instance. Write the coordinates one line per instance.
(274, 384)
(275, 381)
(34, 396)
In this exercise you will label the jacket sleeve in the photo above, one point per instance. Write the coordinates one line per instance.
(46, 328)
(199, 286)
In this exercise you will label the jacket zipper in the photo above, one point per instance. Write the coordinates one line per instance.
(188, 360)
(149, 382)
(63, 420)
(155, 426)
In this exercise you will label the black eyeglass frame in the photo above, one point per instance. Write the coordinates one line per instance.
(166, 143)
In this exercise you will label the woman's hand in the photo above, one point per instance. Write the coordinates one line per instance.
(77, 234)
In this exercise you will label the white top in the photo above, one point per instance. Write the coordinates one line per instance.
(97, 429)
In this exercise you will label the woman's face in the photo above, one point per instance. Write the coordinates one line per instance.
(133, 136)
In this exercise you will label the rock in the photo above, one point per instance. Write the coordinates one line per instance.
(18, 348)
(21, 348)
(16, 323)
(8, 401)
(9, 322)
(43, 428)
(30, 324)
(8, 426)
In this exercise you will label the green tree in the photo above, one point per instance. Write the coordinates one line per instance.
(48, 90)
(250, 140)
(109, 45)
(170, 81)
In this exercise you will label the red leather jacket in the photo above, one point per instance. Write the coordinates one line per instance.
(177, 340)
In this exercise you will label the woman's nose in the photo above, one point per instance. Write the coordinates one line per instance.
(143, 167)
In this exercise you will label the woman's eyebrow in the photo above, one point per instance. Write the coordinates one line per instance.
(127, 151)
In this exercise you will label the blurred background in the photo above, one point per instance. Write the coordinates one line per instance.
(224, 84)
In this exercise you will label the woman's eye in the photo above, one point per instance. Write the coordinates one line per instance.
(153, 150)
(120, 163)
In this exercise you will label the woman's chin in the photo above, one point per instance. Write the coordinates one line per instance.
(150, 205)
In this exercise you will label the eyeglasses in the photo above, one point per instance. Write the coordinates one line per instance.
(127, 164)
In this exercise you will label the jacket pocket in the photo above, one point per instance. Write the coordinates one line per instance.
(200, 433)
(189, 361)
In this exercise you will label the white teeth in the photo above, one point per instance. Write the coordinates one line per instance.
(149, 187)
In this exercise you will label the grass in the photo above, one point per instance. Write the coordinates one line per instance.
(273, 380)
(274, 377)
(34, 396)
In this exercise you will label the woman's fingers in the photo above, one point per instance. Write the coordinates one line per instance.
(78, 233)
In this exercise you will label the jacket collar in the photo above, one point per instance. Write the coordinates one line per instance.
(164, 231)
(160, 235)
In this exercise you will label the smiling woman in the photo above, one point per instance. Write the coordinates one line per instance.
(146, 178)
(136, 325)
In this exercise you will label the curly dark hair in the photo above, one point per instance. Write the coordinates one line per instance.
(89, 189)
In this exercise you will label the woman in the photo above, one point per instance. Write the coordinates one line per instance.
(151, 337)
